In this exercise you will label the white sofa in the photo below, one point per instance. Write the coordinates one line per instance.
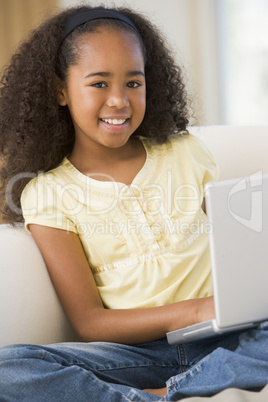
(30, 311)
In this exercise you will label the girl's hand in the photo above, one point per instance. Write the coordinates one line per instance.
(205, 309)
(185, 313)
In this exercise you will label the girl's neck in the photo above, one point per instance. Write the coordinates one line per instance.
(119, 164)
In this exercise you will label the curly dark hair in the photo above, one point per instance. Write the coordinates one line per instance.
(37, 133)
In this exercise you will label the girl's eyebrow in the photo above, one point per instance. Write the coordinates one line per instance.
(107, 74)
(135, 72)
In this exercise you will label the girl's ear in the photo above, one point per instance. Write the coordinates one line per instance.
(60, 92)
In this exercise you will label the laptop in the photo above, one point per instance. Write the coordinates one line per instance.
(237, 212)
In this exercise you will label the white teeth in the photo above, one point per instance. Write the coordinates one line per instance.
(114, 121)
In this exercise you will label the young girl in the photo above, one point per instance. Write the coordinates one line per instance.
(93, 110)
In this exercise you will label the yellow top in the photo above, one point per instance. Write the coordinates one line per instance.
(147, 243)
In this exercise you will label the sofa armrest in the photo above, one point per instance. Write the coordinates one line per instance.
(30, 310)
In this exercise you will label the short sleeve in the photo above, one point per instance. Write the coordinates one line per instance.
(203, 161)
(42, 204)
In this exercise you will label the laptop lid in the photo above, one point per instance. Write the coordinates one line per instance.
(237, 211)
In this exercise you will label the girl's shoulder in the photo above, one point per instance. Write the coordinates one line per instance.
(191, 152)
(45, 180)
(192, 144)
(179, 143)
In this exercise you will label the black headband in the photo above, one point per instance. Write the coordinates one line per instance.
(79, 18)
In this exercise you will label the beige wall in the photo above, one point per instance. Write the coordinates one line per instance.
(17, 17)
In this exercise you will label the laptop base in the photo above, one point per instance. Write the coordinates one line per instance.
(203, 330)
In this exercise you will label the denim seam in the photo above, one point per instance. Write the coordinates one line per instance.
(136, 367)
(182, 359)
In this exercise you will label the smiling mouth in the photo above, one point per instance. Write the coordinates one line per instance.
(114, 122)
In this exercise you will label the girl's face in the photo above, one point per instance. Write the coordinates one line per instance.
(105, 90)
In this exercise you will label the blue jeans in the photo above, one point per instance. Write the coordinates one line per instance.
(79, 372)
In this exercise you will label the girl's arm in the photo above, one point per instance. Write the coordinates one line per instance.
(78, 293)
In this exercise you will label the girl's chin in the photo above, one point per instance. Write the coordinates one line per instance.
(115, 140)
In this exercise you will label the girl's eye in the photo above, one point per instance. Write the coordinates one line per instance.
(133, 84)
(99, 85)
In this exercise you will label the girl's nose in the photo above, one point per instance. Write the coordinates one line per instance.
(118, 98)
